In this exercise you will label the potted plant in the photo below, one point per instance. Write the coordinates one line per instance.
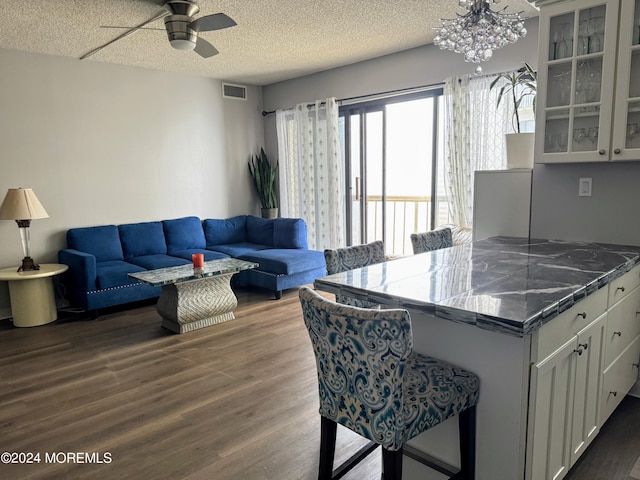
(264, 178)
(515, 87)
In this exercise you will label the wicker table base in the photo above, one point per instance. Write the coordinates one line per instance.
(188, 306)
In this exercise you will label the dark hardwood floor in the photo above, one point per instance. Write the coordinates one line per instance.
(233, 401)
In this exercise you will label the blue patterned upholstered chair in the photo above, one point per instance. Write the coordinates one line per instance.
(350, 258)
(371, 382)
(432, 240)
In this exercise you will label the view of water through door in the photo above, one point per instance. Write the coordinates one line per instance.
(391, 162)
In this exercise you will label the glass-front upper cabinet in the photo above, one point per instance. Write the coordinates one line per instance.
(588, 81)
(576, 76)
(626, 130)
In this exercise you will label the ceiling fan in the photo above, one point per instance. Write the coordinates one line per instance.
(182, 29)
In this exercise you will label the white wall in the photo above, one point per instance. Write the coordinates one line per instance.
(107, 144)
(424, 65)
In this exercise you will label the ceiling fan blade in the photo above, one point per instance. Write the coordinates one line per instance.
(217, 21)
(133, 28)
(205, 49)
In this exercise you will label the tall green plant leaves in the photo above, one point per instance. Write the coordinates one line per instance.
(264, 178)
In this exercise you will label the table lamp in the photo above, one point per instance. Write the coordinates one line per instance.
(22, 205)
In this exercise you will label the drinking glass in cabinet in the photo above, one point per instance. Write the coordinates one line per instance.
(559, 84)
(579, 134)
(556, 136)
(592, 135)
(583, 36)
(588, 81)
(561, 37)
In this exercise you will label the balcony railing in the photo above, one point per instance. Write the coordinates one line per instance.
(404, 215)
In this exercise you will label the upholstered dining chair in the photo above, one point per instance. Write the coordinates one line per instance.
(432, 240)
(371, 382)
(350, 258)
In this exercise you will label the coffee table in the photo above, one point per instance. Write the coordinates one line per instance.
(195, 298)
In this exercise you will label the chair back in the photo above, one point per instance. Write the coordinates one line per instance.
(360, 358)
(432, 240)
(357, 256)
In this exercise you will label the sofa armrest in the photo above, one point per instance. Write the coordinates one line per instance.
(290, 233)
(82, 268)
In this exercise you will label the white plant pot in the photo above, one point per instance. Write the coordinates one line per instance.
(520, 150)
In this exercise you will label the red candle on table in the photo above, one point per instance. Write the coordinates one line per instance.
(198, 260)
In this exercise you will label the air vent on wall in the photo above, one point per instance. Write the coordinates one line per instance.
(236, 92)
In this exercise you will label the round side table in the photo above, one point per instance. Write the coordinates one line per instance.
(32, 300)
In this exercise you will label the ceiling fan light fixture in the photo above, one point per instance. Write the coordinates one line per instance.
(181, 44)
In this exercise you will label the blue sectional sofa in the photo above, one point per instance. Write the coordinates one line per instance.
(100, 258)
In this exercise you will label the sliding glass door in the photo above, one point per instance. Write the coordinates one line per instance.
(391, 157)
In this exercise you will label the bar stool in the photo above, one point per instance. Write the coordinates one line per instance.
(371, 382)
(432, 240)
(350, 258)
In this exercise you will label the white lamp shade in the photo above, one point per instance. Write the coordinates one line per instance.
(21, 204)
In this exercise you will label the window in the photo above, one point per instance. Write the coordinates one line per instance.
(392, 150)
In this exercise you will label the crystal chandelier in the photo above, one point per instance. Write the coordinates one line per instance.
(480, 31)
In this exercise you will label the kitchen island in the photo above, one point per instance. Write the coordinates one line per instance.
(518, 313)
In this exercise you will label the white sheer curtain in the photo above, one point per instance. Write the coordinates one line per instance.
(311, 171)
(474, 130)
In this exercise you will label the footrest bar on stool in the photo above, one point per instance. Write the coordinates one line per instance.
(429, 461)
(343, 469)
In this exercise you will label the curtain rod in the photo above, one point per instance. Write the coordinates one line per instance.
(388, 92)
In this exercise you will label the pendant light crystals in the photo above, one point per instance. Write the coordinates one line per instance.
(480, 31)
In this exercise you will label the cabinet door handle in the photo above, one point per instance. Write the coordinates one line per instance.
(602, 152)
(621, 289)
(582, 314)
(578, 350)
(617, 151)
(615, 394)
(618, 333)
(637, 365)
(584, 345)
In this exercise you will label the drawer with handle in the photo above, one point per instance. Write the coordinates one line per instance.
(622, 286)
(623, 325)
(559, 330)
(618, 379)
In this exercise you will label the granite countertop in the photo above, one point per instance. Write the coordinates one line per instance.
(505, 284)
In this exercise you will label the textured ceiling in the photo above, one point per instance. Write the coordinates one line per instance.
(274, 40)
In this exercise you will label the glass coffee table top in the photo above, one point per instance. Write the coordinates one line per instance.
(185, 273)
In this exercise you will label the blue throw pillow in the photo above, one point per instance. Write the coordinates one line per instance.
(145, 238)
(289, 233)
(225, 232)
(260, 230)
(183, 234)
(103, 242)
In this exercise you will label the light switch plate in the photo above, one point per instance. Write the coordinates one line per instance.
(584, 187)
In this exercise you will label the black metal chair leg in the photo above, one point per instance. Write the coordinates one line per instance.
(328, 430)
(467, 428)
(392, 464)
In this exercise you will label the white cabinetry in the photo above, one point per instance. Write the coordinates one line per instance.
(622, 341)
(565, 388)
(588, 102)
(583, 364)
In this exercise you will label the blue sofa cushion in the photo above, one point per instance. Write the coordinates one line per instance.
(102, 242)
(289, 233)
(237, 249)
(286, 261)
(152, 262)
(145, 238)
(260, 230)
(113, 273)
(208, 254)
(223, 232)
(183, 234)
